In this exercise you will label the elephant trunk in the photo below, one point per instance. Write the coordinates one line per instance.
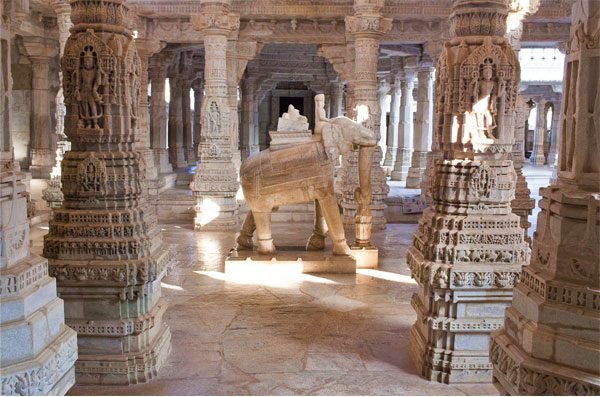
(362, 195)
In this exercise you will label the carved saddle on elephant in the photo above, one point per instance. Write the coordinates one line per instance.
(303, 165)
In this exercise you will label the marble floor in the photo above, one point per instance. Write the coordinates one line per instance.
(257, 334)
(293, 334)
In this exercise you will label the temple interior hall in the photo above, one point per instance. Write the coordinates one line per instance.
(299, 197)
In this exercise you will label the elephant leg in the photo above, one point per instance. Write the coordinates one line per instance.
(244, 238)
(330, 210)
(263, 232)
(317, 239)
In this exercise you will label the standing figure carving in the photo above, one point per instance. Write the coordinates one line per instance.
(88, 80)
(484, 102)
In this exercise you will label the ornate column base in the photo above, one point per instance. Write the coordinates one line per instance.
(523, 204)
(215, 186)
(190, 155)
(161, 159)
(147, 156)
(390, 159)
(552, 157)
(466, 257)
(38, 351)
(538, 156)
(549, 344)
(254, 149)
(177, 157)
(145, 346)
(347, 182)
(416, 170)
(236, 159)
(402, 164)
(42, 161)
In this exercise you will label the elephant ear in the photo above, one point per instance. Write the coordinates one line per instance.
(331, 136)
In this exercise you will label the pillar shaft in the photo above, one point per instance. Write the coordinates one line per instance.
(361, 68)
(176, 148)
(248, 114)
(198, 87)
(337, 96)
(554, 137)
(40, 51)
(215, 182)
(405, 130)
(423, 128)
(540, 131)
(158, 114)
(382, 91)
(392, 130)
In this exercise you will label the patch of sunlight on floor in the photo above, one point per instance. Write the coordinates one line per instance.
(171, 286)
(288, 277)
(386, 275)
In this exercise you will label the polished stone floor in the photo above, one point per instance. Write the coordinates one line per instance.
(290, 334)
(260, 334)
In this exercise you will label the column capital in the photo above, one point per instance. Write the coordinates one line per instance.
(368, 26)
(147, 47)
(215, 18)
(39, 49)
(61, 6)
(433, 48)
(383, 87)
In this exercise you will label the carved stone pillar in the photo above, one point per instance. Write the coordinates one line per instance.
(540, 131)
(186, 108)
(63, 21)
(248, 121)
(382, 90)
(337, 95)
(554, 136)
(176, 149)
(146, 48)
(37, 350)
(522, 204)
(238, 55)
(468, 248)
(423, 129)
(392, 130)
(433, 49)
(158, 114)
(366, 27)
(232, 98)
(405, 129)
(215, 183)
(198, 87)
(549, 344)
(104, 246)
(40, 51)
(274, 105)
(53, 194)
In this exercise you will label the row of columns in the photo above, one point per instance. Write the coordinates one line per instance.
(545, 152)
(407, 145)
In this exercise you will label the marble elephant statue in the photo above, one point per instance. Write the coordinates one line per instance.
(301, 173)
